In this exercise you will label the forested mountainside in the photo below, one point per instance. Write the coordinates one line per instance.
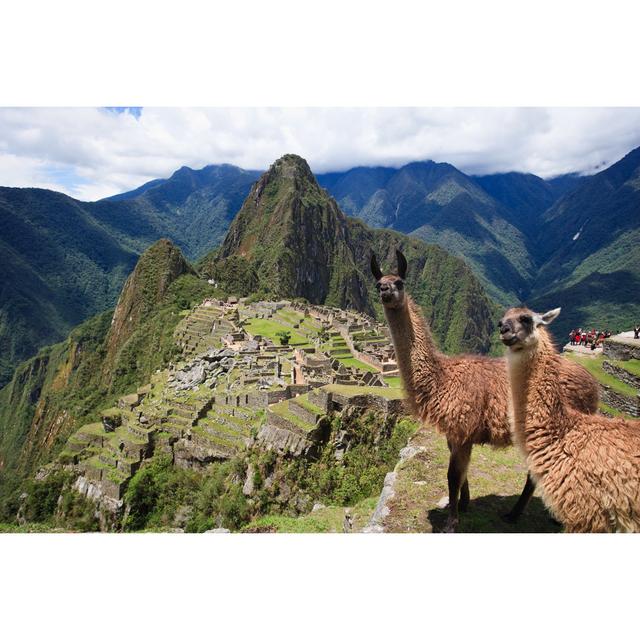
(107, 355)
(439, 204)
(66, 260)
(590, 243)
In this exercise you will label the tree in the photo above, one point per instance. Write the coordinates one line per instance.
(284, 336)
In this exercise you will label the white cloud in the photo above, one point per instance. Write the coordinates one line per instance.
(91, 153)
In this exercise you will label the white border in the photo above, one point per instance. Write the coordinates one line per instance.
(286, 53)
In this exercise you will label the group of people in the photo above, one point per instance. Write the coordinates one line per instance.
(591, 339)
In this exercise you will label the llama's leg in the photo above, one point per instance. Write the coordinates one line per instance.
(465, 496)
(523, 501)
(456, 476)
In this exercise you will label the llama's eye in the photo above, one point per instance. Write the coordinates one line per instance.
(378, 286)
(525, 319)
(399, 284)
(499, 324)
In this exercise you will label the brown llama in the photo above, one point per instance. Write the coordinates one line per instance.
(587, 466)
(464, 397)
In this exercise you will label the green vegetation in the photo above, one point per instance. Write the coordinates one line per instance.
(272, 329)
(162, 496)
(285, 337)
(328, 519)
(77, 379)
(358, 364)
(352, 390)
(282, 409)
(593, 364)
(49, 504)
(632, 366)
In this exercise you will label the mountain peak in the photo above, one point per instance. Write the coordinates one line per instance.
(289, 168)
(159, 266)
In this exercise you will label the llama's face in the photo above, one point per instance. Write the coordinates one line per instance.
(390, 287)
(391, 290)
(519, 327)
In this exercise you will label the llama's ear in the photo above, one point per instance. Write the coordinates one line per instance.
(402, 264)
(375, 268)
(550, 316)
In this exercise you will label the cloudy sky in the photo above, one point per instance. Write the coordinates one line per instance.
(92, 153)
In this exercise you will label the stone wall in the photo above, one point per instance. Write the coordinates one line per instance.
(621, 374)
(628, 404)
(615, 350)
(282, 439)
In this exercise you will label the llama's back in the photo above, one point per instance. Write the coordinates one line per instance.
(591, 478)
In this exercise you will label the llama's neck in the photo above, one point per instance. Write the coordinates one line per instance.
(419, 360)
(536, 402)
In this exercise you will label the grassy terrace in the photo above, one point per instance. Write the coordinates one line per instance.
(350, 361)
(282, 409)
(593, 364)
(94, 429)
(394, 381)
(632, 366)
(352, 390)
(269, 328)
(303, 401)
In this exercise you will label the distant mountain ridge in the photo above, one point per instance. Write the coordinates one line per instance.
(438, 203)
(591, 243)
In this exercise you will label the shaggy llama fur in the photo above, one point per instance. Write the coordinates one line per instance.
(587, 466)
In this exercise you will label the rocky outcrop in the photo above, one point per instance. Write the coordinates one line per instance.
(376, 523)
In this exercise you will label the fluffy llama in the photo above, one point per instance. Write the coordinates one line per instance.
(587, 466)
(465, 397)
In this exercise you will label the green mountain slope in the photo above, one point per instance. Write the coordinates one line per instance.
(439, 204)
(591, 242)
(108, 355)
(290, 240)
(66, 260)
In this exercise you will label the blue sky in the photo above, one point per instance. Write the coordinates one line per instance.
(90, 153)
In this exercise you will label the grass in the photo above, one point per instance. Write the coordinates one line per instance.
(282, 409)
(594, 366)
(353, 390)
(632, 366)
(358, 364)
(395, 382)
(269, 329)
(303, 401)
(611, 411)
(496, 478)
(94, 429)
(328, 519)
